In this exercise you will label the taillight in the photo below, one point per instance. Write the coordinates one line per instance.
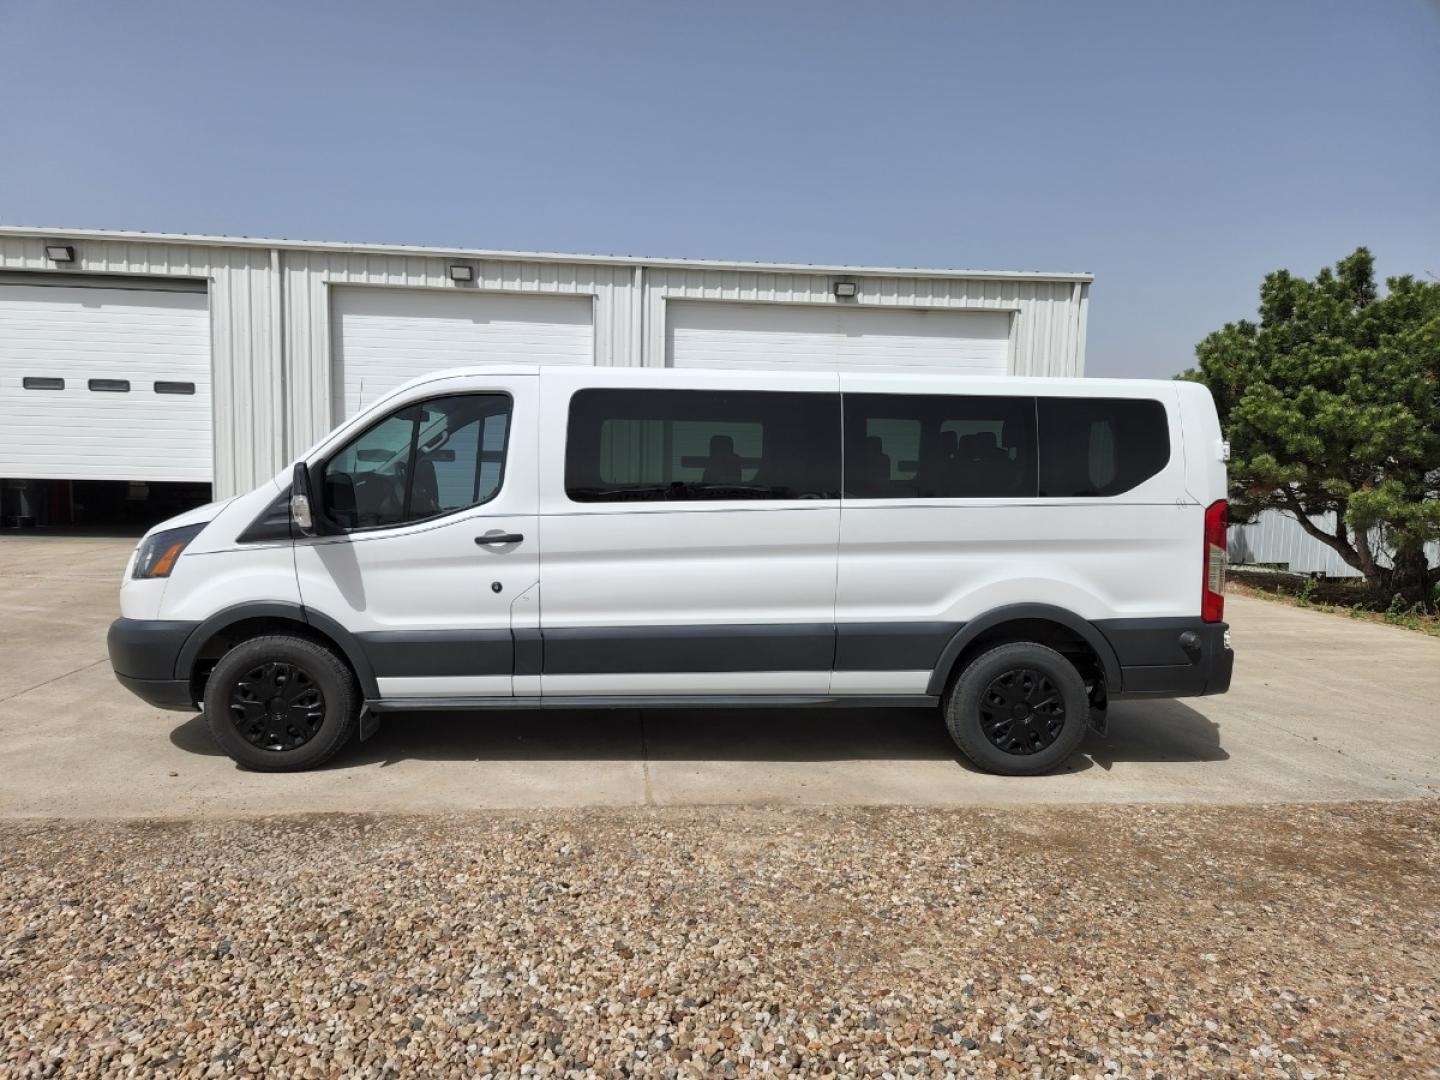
(1212, 597)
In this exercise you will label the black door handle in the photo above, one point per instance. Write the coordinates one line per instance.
(500, 538)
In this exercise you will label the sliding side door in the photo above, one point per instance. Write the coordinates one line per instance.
(688, 534)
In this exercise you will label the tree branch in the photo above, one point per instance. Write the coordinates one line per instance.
(1337, 543)
(1360, 539)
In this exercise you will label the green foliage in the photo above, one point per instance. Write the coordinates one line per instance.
(1399, 613)
(1331, 403)
(1306, 592)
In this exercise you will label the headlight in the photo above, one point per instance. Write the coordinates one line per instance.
(157, 554)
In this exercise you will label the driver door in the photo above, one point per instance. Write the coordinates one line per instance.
(432, 512)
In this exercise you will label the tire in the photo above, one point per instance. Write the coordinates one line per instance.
(281, 703)
(1010, 678)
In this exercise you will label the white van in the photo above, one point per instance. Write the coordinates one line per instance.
(1018, 551)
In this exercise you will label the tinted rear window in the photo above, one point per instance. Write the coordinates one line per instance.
(688, 445)
(1100, 446)
(939, 446)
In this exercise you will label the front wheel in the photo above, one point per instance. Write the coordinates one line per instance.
(1018, 709)
(281, 703)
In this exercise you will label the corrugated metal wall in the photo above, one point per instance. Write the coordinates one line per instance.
(1275, 537)
(270, 316)
(244, 336)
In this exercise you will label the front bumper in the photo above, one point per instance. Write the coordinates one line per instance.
(144, 654)
(1170, 657)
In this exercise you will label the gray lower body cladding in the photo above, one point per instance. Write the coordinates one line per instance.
(144, 653)
(1170, 657)
(632, 650)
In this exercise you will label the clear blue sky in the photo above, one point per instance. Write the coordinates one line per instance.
(1176, 150)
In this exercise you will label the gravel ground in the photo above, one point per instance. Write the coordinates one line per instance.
(1298, 941)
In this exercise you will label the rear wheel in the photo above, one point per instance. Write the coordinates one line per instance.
(281, 703)
(1018, 709)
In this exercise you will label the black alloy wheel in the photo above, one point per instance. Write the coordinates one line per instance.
(277, 706)
(1018, 708)
(282, 702)
(1022, 711)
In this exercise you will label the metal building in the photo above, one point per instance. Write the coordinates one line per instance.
(154, 358)
(1276, 539)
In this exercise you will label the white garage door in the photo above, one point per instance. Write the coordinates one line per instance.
(717, 334)
(384, 337)
(104, 383)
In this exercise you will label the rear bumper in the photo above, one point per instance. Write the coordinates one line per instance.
(144, 654)
(161, 693)
(1170, 657)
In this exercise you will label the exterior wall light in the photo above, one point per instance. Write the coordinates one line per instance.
(461, 272)
(845, 290)
(60, 253)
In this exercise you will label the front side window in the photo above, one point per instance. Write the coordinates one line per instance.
(689, 445)
(428, 459)
(939, 446)
(1100, 446)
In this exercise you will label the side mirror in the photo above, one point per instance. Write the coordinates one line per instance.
(302, 506)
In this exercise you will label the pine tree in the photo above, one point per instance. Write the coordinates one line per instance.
(1331, 403)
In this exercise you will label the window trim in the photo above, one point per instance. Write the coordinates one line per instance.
(323, 463)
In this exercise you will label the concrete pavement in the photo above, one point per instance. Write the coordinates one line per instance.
(1322, 707)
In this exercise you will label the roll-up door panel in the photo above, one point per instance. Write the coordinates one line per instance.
(385, 337)
(720, 334)
(79, 372)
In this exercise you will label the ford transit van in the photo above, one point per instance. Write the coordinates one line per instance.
(1014, 552)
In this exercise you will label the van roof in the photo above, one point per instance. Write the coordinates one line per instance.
(660, 376)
